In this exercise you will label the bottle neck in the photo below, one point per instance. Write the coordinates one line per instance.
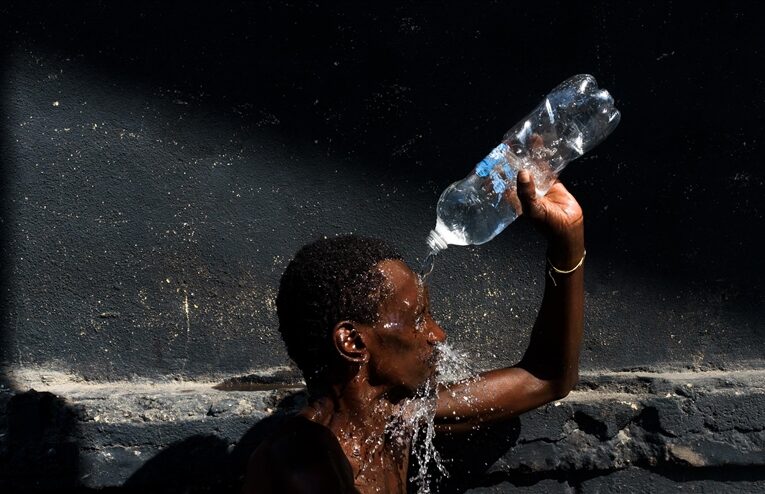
(436, 242)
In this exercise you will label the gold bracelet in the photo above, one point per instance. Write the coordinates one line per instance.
(562, 271)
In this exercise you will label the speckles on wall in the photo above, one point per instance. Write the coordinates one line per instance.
(160, 161)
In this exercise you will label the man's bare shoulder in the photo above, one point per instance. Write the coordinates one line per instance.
(302, 457)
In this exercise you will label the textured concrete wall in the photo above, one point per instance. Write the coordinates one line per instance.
(161, 163)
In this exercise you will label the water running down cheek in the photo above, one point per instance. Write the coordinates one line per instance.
(411, 425)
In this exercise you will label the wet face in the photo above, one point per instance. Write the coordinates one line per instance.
(401, 343)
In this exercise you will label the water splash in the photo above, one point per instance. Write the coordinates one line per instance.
(412, 424)
(453, 365)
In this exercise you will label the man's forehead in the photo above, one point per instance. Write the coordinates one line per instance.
(400, 280)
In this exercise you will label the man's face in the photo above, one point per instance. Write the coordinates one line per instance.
(402, 342)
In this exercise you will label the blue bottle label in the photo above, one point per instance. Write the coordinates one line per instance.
(497, 183)
(494, 158)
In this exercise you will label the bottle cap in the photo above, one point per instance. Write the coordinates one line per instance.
(436, 242)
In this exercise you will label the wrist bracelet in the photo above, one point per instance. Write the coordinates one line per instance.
(563, 271)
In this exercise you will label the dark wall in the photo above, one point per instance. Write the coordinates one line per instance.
(162, 162)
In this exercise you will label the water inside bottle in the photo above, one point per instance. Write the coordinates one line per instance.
(572, 119)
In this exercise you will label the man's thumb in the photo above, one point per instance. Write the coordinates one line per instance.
(527, 192)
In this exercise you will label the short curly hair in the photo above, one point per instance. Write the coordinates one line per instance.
(329, 280)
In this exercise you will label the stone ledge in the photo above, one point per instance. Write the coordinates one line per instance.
(634, 480)
(142, 433)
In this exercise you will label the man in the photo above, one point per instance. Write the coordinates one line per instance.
(356, 320)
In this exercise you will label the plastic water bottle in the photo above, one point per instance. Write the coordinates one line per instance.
(570, 121)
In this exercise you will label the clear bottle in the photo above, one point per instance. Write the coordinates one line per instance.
(571, 120)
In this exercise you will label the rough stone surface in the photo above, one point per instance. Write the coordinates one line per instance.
(616, 431)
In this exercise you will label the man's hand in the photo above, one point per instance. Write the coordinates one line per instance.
(557, 216)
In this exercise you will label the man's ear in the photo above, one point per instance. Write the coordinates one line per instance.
(350, 343)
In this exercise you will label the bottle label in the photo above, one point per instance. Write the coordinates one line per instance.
(498, 185)
(496, 167)
(494, 158)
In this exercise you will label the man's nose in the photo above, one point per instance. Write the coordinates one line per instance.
(436, 334)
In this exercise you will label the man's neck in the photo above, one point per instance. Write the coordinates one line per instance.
(354, 406)
(358, 413)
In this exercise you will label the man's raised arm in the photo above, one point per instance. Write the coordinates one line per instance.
(550, 367)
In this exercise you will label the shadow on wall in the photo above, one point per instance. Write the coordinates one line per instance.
(204, 463)
(6, 213)
(40, 451)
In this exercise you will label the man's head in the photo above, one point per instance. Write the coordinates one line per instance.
(350, 301)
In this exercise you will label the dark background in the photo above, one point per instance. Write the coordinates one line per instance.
(161, 162)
